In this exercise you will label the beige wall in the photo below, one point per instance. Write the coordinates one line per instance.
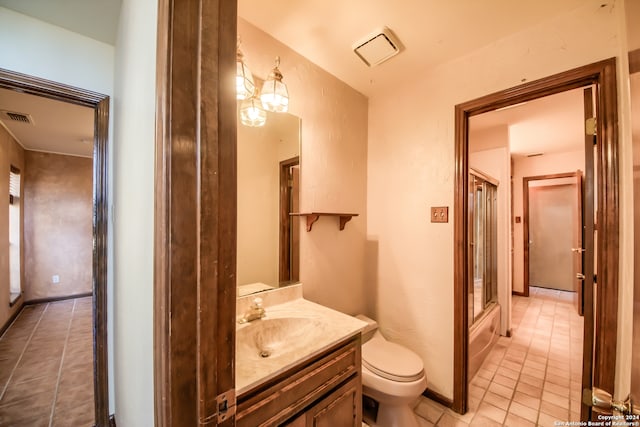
(333, 171)
(411, 168)
(58, 206)
(11, 153)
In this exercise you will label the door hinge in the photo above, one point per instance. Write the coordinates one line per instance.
(590, 126)
(225, 408)
(603, 402)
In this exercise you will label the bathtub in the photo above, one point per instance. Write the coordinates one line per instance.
(482, 336)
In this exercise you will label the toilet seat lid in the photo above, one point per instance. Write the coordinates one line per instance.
(391, 361)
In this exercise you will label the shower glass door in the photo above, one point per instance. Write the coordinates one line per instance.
(483, 233)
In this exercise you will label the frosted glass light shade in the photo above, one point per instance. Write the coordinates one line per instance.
(245, 88)
(252, 113)
(274, 93)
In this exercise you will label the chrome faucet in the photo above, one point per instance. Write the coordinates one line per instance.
(255, 311)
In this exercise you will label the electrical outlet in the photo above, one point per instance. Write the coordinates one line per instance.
(55, 279)
(440, 214)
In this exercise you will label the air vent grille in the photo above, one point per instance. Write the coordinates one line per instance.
(18, 117)
(377, 47)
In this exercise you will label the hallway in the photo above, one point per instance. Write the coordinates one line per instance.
(46, 366)
(530, 379)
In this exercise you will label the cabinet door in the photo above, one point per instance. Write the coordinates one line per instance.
(341, 408)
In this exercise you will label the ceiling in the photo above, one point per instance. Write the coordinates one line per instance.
(324, 31)
(97, 19)
(58, 127)
(432, 31)
(553, 124)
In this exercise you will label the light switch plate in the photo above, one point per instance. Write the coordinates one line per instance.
(440, 214)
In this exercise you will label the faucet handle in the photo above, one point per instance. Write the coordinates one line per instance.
(257, 302)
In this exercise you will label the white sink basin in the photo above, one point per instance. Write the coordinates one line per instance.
(273, 338)
(292, 332)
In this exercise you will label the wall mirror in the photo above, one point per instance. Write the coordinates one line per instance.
(268, 245)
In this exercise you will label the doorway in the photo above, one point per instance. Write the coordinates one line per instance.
(98, 305)
(553, 234)
(289, 260)
(602, 74)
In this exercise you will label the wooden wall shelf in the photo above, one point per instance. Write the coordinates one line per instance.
(314, 216)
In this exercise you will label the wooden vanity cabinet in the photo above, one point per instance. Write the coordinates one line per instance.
(325, 391)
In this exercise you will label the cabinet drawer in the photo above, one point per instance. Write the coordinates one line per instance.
(279, 399)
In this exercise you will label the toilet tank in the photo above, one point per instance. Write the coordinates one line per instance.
(370, 329)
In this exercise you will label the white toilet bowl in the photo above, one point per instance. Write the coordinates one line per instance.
(393, 376)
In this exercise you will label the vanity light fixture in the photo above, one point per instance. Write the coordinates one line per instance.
(245, 88)
(275, 96)
(251, 112)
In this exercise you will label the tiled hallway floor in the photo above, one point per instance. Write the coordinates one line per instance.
(530, 379)
(46, 366)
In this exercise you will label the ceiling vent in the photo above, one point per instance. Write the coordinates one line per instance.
(378, 47)
(17, 117)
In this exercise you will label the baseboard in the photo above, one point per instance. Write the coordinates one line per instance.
(508, 335)
(518, 293)
(437, 397)
(10, 320)
(54, 299)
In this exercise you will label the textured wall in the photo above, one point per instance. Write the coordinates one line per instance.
(411, 166)
(10, 154)
(333, 162)
(58, 224)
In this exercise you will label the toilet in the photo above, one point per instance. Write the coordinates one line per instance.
(393, 378)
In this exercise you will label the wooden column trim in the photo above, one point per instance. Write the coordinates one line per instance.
(195, 235)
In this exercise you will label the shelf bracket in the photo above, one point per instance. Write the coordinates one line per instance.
(311, 218)
(343, 220)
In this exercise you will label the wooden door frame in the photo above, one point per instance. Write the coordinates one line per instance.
(602, 74)
(100, 104)
(525, 219)
(284, 268)
(634, 68)
(195, 212)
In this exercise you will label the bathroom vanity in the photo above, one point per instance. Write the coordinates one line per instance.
(325, 390)
(298, 366)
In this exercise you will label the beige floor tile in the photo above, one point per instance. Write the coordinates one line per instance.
(505, 381)
(522, 411)
(427, 410)
(515, 421)
(558, 412)
(487, 410)
(526, 400)
(529, 389)
(555, 399)
(497, 400)
(448, 420)
(501, 390)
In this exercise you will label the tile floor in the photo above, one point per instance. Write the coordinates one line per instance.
(46, 361)
(530, 379)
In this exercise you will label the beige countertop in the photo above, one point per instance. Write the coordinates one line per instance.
(309, 329)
